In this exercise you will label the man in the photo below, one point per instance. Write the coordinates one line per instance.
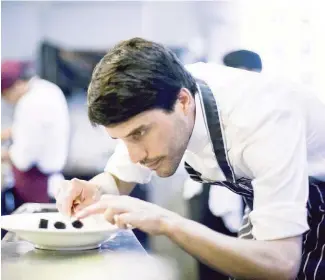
(263, 140)
(39, 134)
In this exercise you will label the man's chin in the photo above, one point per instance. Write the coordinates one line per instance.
(163, 173)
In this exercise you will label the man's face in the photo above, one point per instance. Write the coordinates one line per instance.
(158, 139)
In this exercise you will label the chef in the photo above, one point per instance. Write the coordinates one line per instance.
(259, 136)
(39, 133)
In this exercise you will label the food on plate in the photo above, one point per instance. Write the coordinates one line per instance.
(59, 225)
(43, 223)
(77, 224)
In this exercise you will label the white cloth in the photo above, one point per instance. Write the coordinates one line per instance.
(227, 205)
(275, 135)
(40, 130)
(191, 188)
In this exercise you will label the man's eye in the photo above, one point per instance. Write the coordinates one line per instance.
(137, 136)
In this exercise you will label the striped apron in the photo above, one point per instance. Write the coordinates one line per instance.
(313, 255)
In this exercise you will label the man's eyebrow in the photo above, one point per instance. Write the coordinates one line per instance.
(134, 131)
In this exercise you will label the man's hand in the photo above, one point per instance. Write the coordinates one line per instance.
(124, 211)
(76, 194)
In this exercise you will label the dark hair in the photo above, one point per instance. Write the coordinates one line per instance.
(135, 76)
(243, 58)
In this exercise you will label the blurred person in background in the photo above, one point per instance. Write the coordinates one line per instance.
(219, 208)
(243, 59)
(39, 133)
(260, 136)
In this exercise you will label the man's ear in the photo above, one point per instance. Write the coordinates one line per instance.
(185, 101)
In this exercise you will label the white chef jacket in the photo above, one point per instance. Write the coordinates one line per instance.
(274, 132)
(40, 131)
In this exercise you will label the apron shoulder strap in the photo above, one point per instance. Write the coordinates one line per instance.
(212, 119)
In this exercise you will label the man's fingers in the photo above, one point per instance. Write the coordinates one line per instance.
(119, 223)
(128, 220)
(109, 215)
(81, 206)
(68, 197)
(95, 208)
(73, 189)
(109, 205)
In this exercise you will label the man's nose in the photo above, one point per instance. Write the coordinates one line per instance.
(137, 153)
